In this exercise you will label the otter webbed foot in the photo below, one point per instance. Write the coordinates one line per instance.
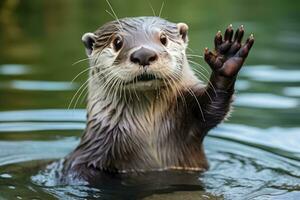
(229, 54)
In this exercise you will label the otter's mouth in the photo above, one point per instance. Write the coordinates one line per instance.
(144, 78)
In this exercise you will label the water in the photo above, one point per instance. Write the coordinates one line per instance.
(254, 155)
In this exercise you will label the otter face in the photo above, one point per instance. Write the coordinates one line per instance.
(143, 53)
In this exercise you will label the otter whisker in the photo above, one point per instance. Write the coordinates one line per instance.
(153, 11)
(82, 73)
(114, 88)
(208, 81)
(109, 80)
(134, 83)
(130, 94)
(118, 86)
(190, 49)
(85, 88)
(178, 79)
(112, 85)
(194, 55)
(112, 91)
(86, 91)
(78, 97)
(84, 59)
(84, 97)
(124, 92)
(116, 17)
(175, 86)
(197, 64)
(73, 98)
(198, 103)
(161, 8)
(90, 67)
(170, 87)
(194, 96)
(112, 82)
(79, 89)
(201, 74)
(110, 14)
(166, 85)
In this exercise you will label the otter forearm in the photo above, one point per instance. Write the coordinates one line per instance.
(215, 100)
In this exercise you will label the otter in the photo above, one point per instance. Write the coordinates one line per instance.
(146, 108)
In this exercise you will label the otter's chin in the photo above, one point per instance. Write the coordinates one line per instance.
(145, 85)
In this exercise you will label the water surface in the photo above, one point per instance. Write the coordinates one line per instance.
(254, 155)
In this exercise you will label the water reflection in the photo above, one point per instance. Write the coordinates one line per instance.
(271, 74)
(14, 69)
(250, 176)
(242, 85)
(292, 91)
(268, 101)
(13, 152)
(47, 115)
(41, 120)
(269, 139)
(39, 85)
(37, 126)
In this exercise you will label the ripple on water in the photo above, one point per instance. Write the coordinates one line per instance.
(269, 73)
(264, 100)
(242, 85)
(269, 139)
(5, 175)
(21, 151)
(247, 172)
(47, 115)
(36, 85)
(39, 126)
(292, 91)
(40, 120)
(289, 38)
(236, 148)
(14, 69)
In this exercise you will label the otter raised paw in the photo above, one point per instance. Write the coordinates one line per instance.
(228, 56)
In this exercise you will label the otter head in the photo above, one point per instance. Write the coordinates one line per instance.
(143, 53)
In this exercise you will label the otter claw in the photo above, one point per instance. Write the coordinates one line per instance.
(229, 56)
(218, 39)
(239, 34)
(228, 33)
(243, 52)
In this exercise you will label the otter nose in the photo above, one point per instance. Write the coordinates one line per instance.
(143, 56)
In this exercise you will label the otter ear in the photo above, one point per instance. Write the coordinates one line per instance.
(88, 40)
(183, 30)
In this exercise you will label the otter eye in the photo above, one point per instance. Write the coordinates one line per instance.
(118, 43)
(163, 39)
